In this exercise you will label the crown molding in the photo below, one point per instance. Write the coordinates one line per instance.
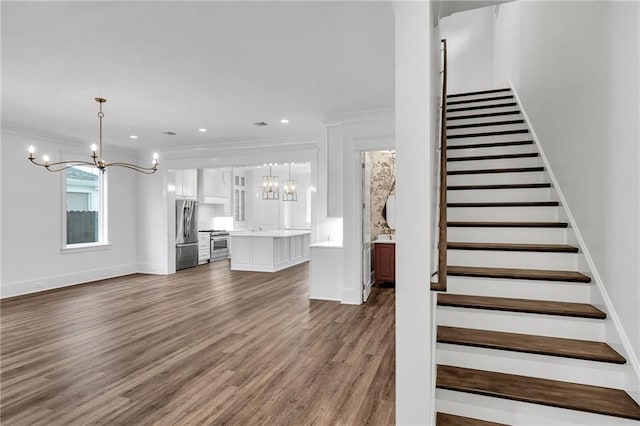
(271, 144)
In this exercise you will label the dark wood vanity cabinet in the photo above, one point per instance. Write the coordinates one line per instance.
(385, 263)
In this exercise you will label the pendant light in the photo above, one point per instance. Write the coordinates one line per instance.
(96, 156)
(290, 191)
(270, 188)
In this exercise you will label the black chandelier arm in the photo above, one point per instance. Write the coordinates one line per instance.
(146, 170)
(59, 166)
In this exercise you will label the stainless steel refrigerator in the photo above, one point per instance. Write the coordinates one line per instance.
(186, 234)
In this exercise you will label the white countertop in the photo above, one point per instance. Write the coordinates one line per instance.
(272, 234)
(384, 241)
(327, 244)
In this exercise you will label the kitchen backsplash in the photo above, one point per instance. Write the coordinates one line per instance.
(209, 218)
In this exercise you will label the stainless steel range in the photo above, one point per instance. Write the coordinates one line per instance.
(219, 244)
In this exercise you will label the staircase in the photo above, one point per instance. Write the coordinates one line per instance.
(518, 340)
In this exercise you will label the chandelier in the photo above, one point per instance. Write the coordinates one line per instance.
(96, 156)
(270, 189)
(289, 188)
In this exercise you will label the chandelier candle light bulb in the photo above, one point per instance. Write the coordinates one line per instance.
(96, 156)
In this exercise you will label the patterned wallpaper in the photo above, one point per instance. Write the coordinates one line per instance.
(383, 184)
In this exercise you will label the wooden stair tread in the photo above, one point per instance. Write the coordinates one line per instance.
(542, 307)
(554, 393)
(475, 100)
(557, 248)
(492, 171)
(485, 124)
(445, 419)
(479, 92)
(473, 108)
(484, 115)
(506, 204)
(500, 186)
(541, 345)
(508, 224)
(494, 157)
(518, 274)
(483, 134)
(489, 145)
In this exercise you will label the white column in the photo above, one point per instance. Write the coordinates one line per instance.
(413, 311)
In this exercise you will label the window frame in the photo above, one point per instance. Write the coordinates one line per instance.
(103, 223)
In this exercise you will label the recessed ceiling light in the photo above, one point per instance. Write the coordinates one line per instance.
(202, 130)
(133, 137)
(284, 121)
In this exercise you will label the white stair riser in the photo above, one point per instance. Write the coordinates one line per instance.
(519, 413)
(494, 164)
(522, 194)
(484, 129)
(496, 178)
(520, 289)
(476, 111)
(489, 139)
(497, 150)
(516, 322)
(502, 213)
(480, 102)
(465, 97)
(508, 235)
(513, 259)
(532, 365)
(481, 120)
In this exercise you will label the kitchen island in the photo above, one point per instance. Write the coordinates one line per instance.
(269, 251)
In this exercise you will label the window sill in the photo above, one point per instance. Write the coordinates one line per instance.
(81, 248)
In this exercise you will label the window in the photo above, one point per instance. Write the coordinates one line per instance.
(84, 201)
(239, 198)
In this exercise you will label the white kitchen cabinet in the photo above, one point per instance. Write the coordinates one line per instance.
(326, 268)
(187, 184)
(204, 247)
(268, 251)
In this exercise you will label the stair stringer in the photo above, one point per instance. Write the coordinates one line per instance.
(614, 332)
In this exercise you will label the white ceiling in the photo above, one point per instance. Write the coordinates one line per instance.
(180, 66)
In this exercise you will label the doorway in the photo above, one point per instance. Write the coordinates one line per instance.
(378, 183)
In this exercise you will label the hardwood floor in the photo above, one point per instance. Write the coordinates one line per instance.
(203, 346)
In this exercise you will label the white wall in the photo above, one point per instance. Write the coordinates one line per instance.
(470, 49)
(576, 68)
(32, 221)
(295, 212)
(414, 104)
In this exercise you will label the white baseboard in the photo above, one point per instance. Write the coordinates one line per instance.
(152, 268)
(65, 280)
(631, 355)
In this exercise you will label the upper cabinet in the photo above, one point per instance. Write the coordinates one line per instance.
(214, 186)
(187, 183)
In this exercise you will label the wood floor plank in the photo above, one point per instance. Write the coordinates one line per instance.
(204, 346)
(573, 396)
(542, 345)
